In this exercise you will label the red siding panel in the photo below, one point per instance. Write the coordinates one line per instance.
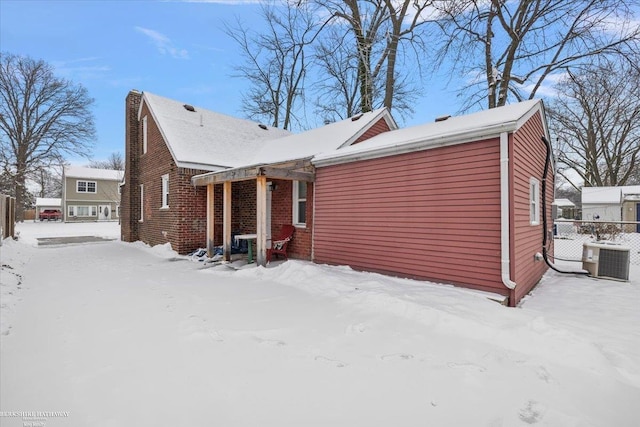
(378, 127)
(432, 214)
(527, 151)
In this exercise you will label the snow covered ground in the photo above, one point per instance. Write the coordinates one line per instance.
(119, 334)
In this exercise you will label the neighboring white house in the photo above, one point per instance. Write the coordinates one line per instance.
(611, 203)
(90, 194)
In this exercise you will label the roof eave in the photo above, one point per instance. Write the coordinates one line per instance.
(159, 124)
(464, 137)
(201, 166)
(382, 114)
(117, 179)
(294, 169)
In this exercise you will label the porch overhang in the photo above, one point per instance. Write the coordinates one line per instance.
(295, 170)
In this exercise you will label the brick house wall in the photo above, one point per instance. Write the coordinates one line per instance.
(282, 214)
(183, 223)
(130, 201)
(244, 214)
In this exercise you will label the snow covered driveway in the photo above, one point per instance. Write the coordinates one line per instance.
(120, 334)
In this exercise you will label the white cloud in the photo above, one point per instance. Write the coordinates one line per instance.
(163, 43)
(81, 68)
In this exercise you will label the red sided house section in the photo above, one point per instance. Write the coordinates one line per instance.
(450, 204)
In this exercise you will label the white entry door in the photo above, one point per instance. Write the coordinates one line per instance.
(104, 213)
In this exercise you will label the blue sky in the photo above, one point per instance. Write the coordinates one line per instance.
(174, 49)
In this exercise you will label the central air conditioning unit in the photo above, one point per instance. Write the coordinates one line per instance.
(606, 260)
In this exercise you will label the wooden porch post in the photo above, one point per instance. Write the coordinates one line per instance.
(261, 220)
(226, 226)
(211, 221)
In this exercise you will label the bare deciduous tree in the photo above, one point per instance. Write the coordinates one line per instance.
(339, 94)
(510, 48)
(276, 62)
(634, 178)
(48, 177)
(405, 19)
(365, 20)
(115, 161)
(378, 30)
(596, 119)
(42, 117)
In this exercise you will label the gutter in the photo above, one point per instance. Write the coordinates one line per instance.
(505, 230)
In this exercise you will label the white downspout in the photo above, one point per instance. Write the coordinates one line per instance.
(505, 231)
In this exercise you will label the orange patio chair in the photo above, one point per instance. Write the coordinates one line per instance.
(280, 243)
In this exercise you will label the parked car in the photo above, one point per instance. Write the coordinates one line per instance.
(50, 215)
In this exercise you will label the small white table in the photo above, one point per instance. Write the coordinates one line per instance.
(248, 238)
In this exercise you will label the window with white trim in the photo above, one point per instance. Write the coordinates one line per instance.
(141, 203)
(144, 134)
(299, 203)
(534, 201)
(165, 191)
(82, 211)
(86, 186)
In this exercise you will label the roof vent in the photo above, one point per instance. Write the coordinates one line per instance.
(356, 117)
(442, 118)
(263, 126)
(189, 107)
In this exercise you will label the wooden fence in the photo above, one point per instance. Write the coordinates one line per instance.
(7, 216)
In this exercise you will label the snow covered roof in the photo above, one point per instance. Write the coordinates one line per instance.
(608, 195)
(326, 138)
(563, 203)
(204, 139)
(47, 201)
(454, 130)
(92, 173)
(631, 192)
(305, 145)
